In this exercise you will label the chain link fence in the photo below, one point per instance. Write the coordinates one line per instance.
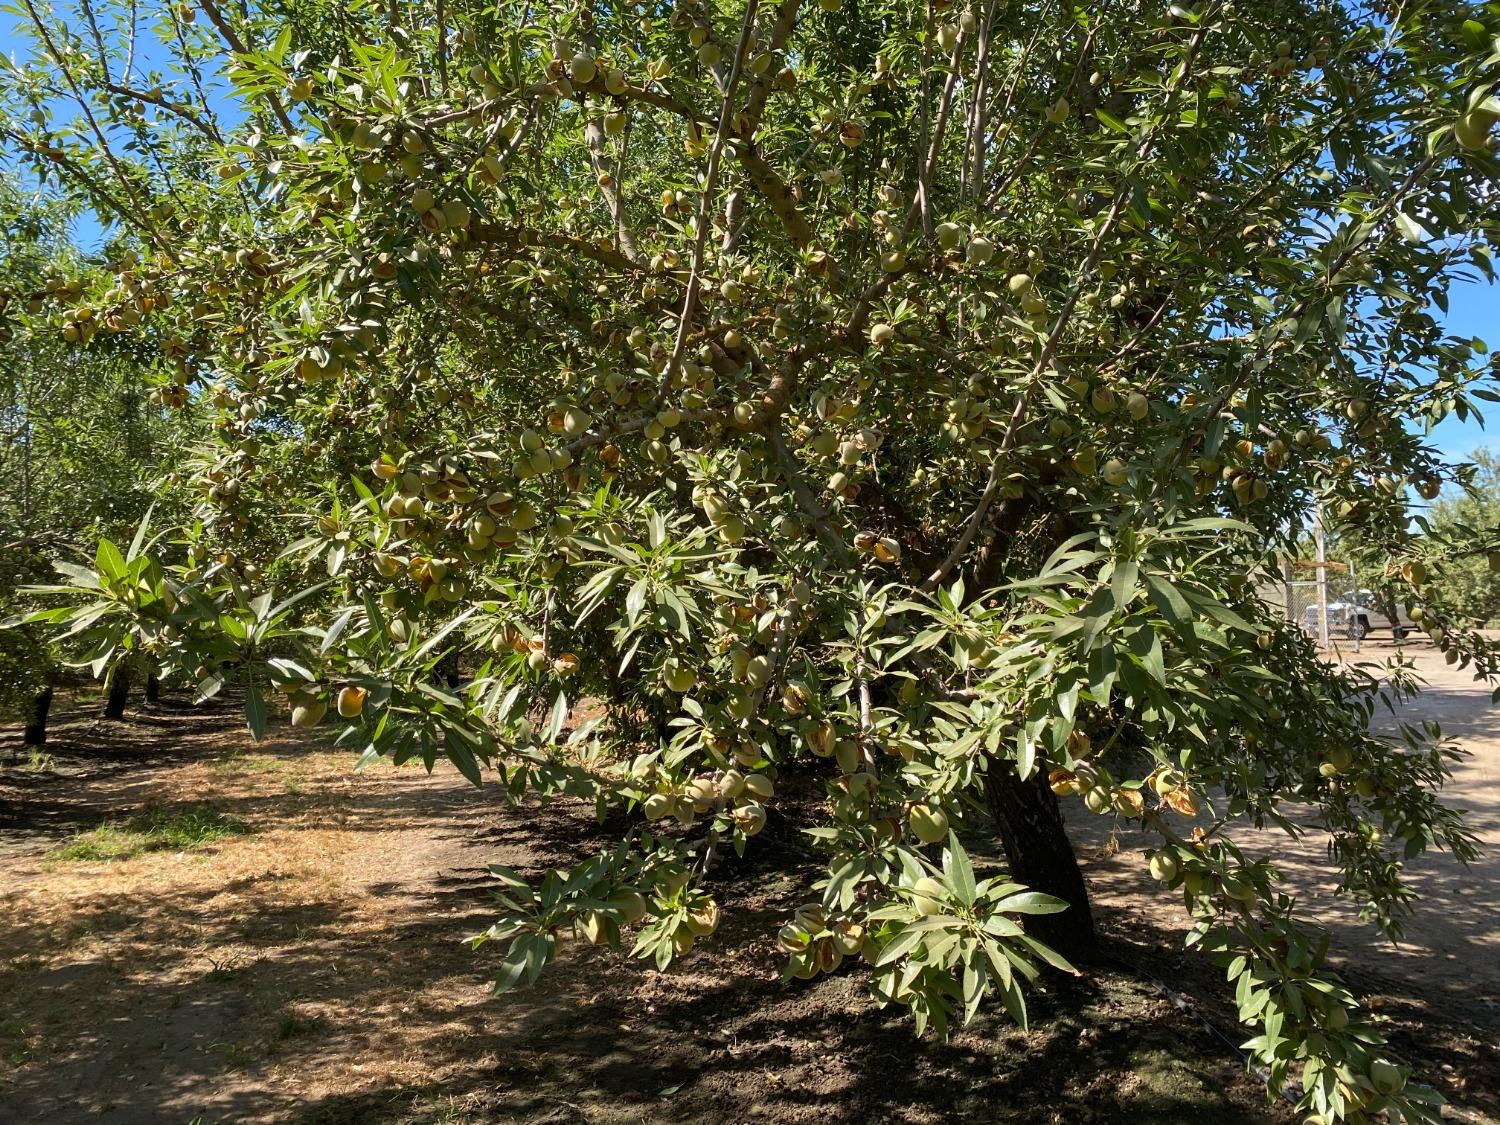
(1306, 603)
(1317, 605)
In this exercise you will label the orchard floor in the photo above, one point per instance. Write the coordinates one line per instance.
(1443, 978)
(310, 968)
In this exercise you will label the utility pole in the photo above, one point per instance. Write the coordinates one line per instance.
(1354, 597)
(1322, 558)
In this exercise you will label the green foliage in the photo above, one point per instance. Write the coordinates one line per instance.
(1451, 572)
(1466, 578)
(880, 400)
(27, 661)
(80, 445)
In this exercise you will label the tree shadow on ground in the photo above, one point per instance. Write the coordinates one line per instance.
(241, 1001)
(267, 995)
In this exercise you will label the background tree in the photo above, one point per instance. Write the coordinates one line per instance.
(899, 400)
(80, 444)
(1469, 580)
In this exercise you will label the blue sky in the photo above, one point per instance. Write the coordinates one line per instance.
(1473, 310)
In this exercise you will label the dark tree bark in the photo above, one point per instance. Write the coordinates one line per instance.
(119, 691)
(1041, 858)
(36, 718)
(1026, 812)
(448, 668)
(153, 688)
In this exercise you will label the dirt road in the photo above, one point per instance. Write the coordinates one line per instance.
(1448, 966)
(1452, 949)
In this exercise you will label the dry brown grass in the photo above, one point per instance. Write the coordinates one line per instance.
(312, 970)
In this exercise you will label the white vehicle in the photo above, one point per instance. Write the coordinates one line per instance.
(1357, 613)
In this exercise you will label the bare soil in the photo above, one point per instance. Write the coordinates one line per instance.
(1438, 990)
(313, 970)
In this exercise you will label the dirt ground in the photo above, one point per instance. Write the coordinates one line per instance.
(1443, 979)
(311, 968)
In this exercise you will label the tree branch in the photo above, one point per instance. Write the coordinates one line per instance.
(705, 201)
(237, 45)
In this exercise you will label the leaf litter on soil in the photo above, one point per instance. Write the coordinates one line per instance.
(311, 968)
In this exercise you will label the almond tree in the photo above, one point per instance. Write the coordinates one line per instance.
(904, 400)
(78, 444)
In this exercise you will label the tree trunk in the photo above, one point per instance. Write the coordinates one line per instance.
(1041, 858)
(119, 690)
(153, 688)
(448, 668)
(36, 718)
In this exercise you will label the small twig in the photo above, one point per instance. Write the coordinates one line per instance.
(920, 205)
(805, 498)
(142, 216)
(202, 125)
(866, 720)
(780, 645)
(1049, 349)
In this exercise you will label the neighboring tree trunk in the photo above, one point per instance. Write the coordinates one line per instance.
(119, 691)
(153, 689)
(448, 668)
(1041, 857)
(36, 718)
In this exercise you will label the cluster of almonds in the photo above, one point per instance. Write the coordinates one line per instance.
(509, 638)
(817, 944)
(882, 548)
(309, 705)
(732, 792)
(1102, 794)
